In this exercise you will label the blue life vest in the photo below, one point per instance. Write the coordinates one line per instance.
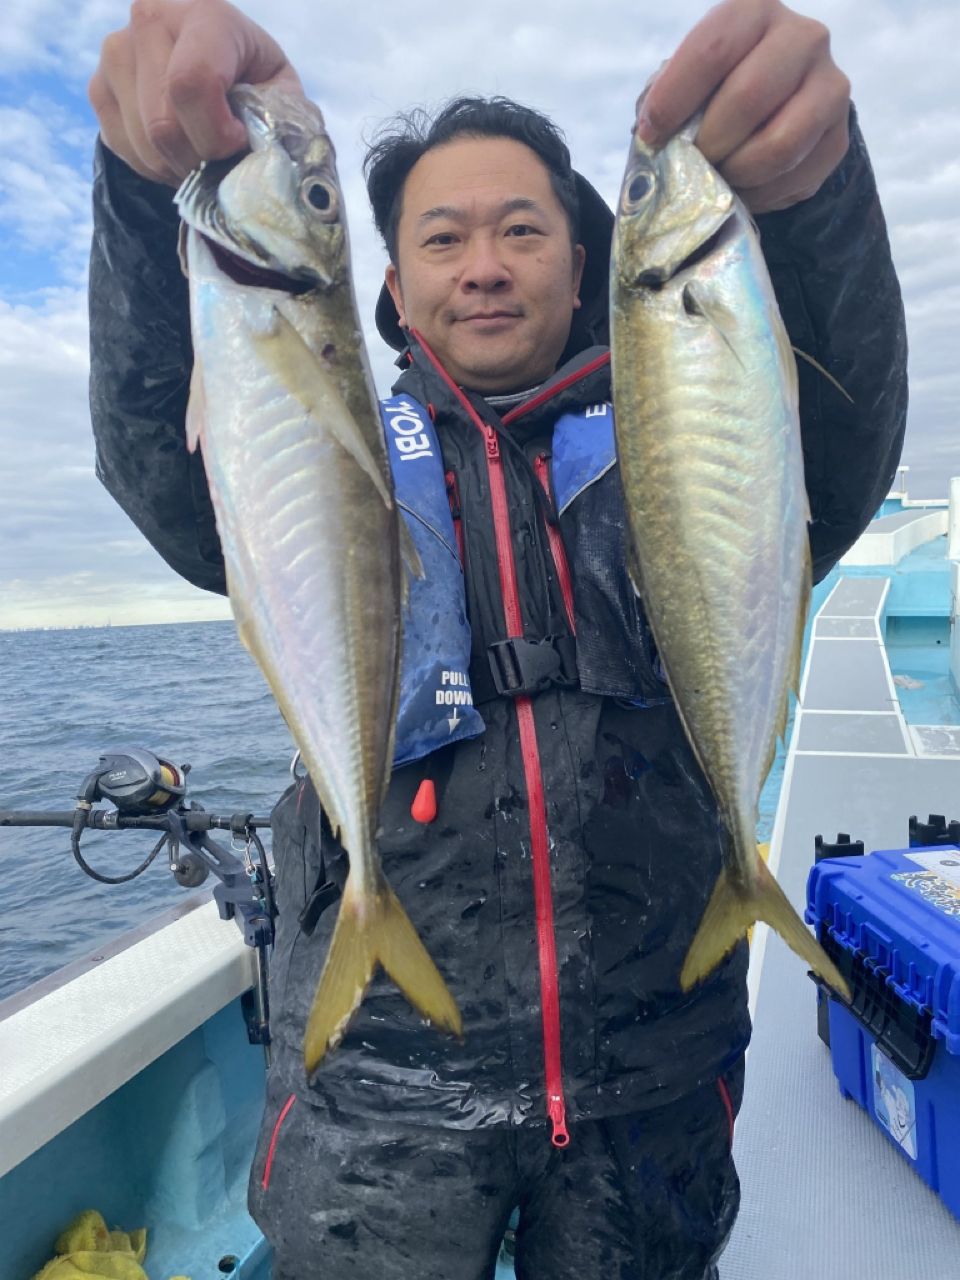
(436, 701)
(584, 449)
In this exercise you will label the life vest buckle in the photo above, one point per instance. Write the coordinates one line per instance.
(520, 666)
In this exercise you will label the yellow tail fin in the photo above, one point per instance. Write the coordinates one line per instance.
(729, 914)
(764, 852)
(368, 932)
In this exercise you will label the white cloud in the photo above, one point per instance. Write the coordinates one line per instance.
(60, 36)
(362, 64)
(68, 554)
(44, 197)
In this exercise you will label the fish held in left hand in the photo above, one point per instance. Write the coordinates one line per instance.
(708, 439)
(282, 405)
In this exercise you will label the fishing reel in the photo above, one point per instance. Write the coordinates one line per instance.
(140, 785)
(148, 794)
(137, 782)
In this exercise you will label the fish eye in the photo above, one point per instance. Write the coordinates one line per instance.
(321, 197)
(639, 187)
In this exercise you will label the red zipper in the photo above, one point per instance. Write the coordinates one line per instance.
(557, 549)
(533, 776)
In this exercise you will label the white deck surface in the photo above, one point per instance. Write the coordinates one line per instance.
(890, 538)
(66, 1051)
(825, 1194)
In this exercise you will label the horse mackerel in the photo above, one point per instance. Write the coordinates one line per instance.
(708, 439)
(282, 405)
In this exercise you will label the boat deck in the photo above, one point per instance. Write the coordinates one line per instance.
(159, 1117)
(825, 1193)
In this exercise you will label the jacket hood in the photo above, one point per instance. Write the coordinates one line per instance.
(590, 323)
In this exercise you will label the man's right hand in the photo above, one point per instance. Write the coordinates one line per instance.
(160, 91)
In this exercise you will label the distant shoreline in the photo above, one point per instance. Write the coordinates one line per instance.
(116, 626)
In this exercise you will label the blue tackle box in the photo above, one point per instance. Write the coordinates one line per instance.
(891, 923)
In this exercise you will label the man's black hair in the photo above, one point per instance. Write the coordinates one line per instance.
(401, 142)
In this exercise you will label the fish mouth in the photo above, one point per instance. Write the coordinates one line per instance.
(244, 272)
(654, 278)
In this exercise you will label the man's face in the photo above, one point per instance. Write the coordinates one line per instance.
(486, 271)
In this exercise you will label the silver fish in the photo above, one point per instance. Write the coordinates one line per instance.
(708, 438)
(283, 408)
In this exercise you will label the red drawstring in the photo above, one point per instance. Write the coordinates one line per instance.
(271, 1150)
(728, 1104)
(557, 549)
(453, 498)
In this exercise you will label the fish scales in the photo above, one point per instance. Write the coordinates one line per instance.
(706, 412)
(283, 407)
(262, 501)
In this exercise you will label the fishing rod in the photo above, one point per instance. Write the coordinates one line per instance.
(149, 794)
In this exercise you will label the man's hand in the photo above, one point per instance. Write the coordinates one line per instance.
(775, 123)
(160, 89)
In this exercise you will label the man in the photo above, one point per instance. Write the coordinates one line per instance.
(556, 865)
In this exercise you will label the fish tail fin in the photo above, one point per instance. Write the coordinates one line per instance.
(764, 851)
(407, 961)
(729, 914)
(368, 932)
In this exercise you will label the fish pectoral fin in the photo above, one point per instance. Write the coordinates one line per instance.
(729, 914)
(410, 558)
(820, 369)
(182, 236)
(367, 933)
(409, 553)
(286, 354)
(196, 408)
(697, 302)
(633, 571)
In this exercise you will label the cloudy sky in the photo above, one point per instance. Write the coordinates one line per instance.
(68, 555)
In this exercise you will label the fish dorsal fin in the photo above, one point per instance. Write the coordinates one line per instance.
(820, 369)
(787, 362)
(796, 656)
(795, 660)
(286, 354)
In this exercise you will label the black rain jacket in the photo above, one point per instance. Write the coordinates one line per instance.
(631, 826)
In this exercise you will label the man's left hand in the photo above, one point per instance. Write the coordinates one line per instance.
(776, 104)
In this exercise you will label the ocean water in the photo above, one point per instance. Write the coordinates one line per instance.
(187, 692)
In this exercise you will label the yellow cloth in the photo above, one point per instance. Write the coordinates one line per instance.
(87, 1248)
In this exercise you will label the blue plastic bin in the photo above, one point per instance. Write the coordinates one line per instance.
(891, 922)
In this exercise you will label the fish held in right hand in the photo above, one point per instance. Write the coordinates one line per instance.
(282, 405)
